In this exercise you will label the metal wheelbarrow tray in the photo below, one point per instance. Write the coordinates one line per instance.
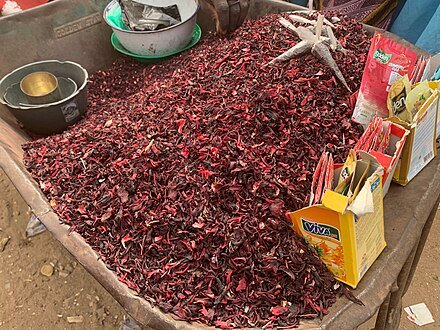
(74, 30)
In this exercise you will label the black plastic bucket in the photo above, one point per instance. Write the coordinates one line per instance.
(55, 117)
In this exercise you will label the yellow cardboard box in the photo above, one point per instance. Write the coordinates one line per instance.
(420, 146)
(348, 235)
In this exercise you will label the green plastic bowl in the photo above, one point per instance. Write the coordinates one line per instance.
(150, 59)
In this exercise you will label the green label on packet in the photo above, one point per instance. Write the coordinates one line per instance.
(381, 56)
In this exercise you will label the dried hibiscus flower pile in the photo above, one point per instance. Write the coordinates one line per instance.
(180, 174)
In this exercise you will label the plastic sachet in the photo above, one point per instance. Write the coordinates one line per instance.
(142, 17)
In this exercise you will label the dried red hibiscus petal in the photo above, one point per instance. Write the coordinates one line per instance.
(180, 174)
(278, 310)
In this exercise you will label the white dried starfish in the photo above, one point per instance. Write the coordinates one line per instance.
(313, 42)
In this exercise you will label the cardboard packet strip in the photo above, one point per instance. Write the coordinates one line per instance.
(319, 190)
(384, 144)
(377, 136)
(368, 143)
(362, 142)
(329, 174)
(315, 178)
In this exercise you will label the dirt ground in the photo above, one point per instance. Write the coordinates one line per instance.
(31, 300)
